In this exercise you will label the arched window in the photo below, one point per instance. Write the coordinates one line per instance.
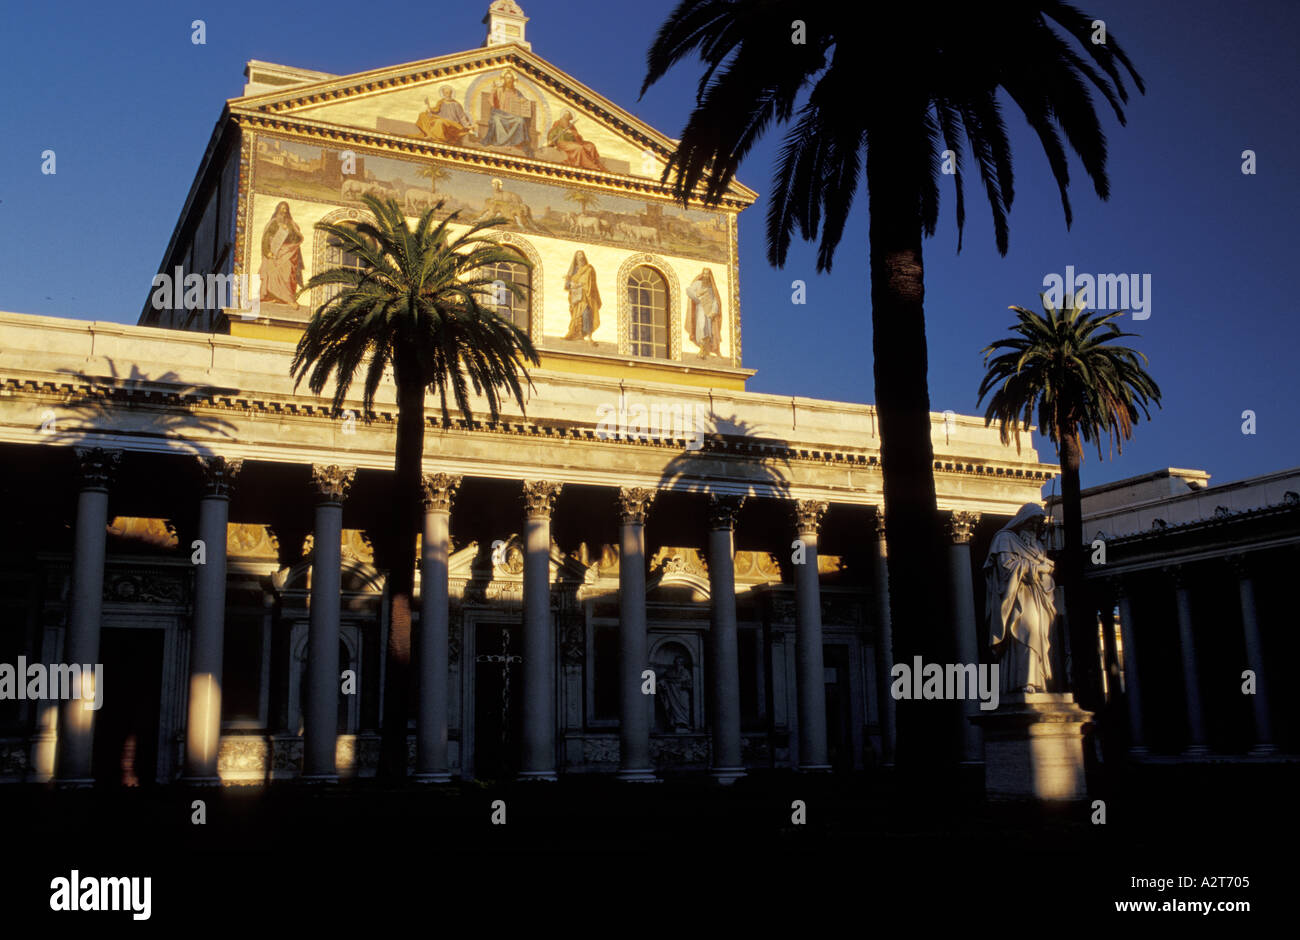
(505, 302)
(337, 256)
(647, 300)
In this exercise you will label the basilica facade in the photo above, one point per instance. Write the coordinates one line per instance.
(648, 570)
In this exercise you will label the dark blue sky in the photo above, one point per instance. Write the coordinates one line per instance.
(127, 102)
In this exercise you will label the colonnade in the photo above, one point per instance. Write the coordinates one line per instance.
(1136, 657)
(331, 485)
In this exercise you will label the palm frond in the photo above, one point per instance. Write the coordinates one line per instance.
(416, 293)
(1066, 366)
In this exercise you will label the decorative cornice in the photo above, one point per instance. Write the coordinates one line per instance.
(723, 511)
(539, 498)
(633, 504)
(331, 482)
(808, 515)
(219, 475)
(97, 466)
(439, 490)
(960, 526)
(301, 408)
(1162, 530)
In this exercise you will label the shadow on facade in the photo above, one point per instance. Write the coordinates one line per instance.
(138, 406)
(764, 466)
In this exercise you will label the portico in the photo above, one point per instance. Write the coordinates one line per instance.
(538, 540)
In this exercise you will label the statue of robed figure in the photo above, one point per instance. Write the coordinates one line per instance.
(1020, 603)
(675, 695)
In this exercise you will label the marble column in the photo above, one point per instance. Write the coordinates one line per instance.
(320, 719)
(1132, 683)
(539, 634)
(634, 658)
(724, 685)
(1196, 746)
(961, 528)
(97, 468)
(431, 642)
(879, 554)
(207, 635)
(1109, 655)
(809, 663)
(1264, 745)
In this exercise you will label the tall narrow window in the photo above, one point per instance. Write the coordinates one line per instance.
(647, 296)
(336, 256)
(505, 302)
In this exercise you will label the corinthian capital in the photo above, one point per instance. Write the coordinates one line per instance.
(961, 526)
(97, 467)
(1240, 565)
(633, 504)
(219, 475)
(539, 498)
(439, 490)
(331, 482)
(723, 511)
(808, 515)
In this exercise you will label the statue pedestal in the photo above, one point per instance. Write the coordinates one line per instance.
(1033, 747)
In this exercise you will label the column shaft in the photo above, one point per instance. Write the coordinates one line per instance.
(1191, 675)
(814, 754)
(431, 721)
(207, 636)
(320, 719)
(961, 528)
(538, 761)
(76, 720)
(634, 705)
(1132, 684)
(884, 635)
(431, 656)
(81, 646)
(1110, 657)
(724, 686)
(1255, 662)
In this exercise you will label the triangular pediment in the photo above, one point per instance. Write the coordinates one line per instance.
(501, 100)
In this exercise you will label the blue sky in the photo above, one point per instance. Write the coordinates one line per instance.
(127, 103)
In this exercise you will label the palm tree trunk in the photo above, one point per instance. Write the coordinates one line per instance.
(401, 576)
(907, 455)
(1081, 619)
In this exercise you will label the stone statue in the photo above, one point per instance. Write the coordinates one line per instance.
(674, 691)
(1020, 603)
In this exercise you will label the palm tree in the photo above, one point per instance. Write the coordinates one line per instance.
(1064, 365)
(412, 304)
(433, 173)
(584, 199)
(896, 86)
